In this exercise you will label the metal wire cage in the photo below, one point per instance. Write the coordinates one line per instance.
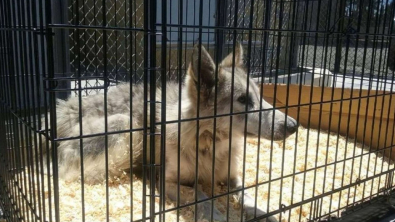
(326, 63)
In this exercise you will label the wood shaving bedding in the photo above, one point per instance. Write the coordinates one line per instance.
(338, 162)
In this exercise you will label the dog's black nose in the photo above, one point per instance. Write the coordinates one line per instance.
(292, 126)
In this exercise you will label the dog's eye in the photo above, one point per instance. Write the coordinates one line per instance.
(244, 99)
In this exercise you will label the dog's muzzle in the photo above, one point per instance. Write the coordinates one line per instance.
(291, 127)
(284, 129)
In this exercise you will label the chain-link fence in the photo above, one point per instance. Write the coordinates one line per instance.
(347, 37)
(329, 39)
(124, 49)
(270, 50)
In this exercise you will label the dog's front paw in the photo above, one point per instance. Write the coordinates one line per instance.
(204, 213)
(250, 215)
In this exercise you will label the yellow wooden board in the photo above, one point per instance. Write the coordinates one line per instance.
(367, 115)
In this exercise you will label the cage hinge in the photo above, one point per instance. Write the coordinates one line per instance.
(358, 181)
(42, 131)
(388, 187)
(283, 208)
(152, 165)
(153, 134)
(156, 195)
(331, 217)
(153, 69)
(149, 101)
(153, 33)
(41, 32)
(16, 169)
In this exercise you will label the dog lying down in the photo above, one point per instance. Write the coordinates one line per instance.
(124, 113)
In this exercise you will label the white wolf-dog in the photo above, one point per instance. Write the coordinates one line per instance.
(125, 112)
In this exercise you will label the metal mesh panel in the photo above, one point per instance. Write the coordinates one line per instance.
(269, 48)
(124, 48)
(334, 26)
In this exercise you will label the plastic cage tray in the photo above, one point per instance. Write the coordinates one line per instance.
(379, 209)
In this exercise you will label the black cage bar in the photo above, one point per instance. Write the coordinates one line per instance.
(328, 64)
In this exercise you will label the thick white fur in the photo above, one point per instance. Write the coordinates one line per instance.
(125, 111)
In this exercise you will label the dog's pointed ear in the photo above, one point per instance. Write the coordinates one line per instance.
(206, 69)
(238, 58)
